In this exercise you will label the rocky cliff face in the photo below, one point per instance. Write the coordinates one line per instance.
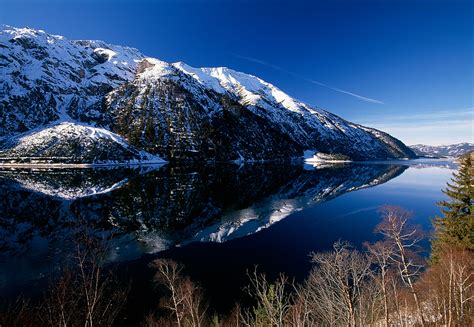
(169, 110)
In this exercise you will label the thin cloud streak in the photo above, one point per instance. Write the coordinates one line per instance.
(264, 63)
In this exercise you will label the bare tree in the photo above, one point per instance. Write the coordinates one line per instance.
(85, 293)
(462, 266)
(61, 303)
(380, 253)
(404, 238)
(20, 313)
(233, 318)
(300, 313)
(194, 303)
(185, 298)
(394, 283)
(103, 295)
(449, 285)
(169, 274)
(335, 287)
(273, 302)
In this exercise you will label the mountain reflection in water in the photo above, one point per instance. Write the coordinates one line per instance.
(166, 206)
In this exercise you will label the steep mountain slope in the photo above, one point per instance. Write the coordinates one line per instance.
(213, 100)
(313, 128)
(453, 150)
(170, 110)
(166, 112)
(45, 77)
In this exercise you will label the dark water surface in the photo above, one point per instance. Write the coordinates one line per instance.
(217, 220)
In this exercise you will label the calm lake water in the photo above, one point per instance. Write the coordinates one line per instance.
(219, 221)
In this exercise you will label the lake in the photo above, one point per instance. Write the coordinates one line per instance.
(218, 220)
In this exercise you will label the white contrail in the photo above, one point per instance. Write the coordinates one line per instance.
(261, 62)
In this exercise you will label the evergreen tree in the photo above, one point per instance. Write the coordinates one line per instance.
(456, 226)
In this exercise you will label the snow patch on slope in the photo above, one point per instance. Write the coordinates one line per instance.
(250, 88)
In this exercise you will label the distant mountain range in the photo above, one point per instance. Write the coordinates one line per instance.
(65, 101)
(453, 150)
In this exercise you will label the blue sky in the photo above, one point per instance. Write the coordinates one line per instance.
(405, 67)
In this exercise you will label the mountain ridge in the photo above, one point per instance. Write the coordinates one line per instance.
(450, 150)
(170, 110)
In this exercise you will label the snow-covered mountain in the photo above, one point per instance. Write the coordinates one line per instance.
(48, 78)
(172, 111)
(453, 150)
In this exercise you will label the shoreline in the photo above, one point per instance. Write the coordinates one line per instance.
(401, 161)
(80, 165)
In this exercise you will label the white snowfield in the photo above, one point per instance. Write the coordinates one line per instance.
(249, 88)
(70, 129)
